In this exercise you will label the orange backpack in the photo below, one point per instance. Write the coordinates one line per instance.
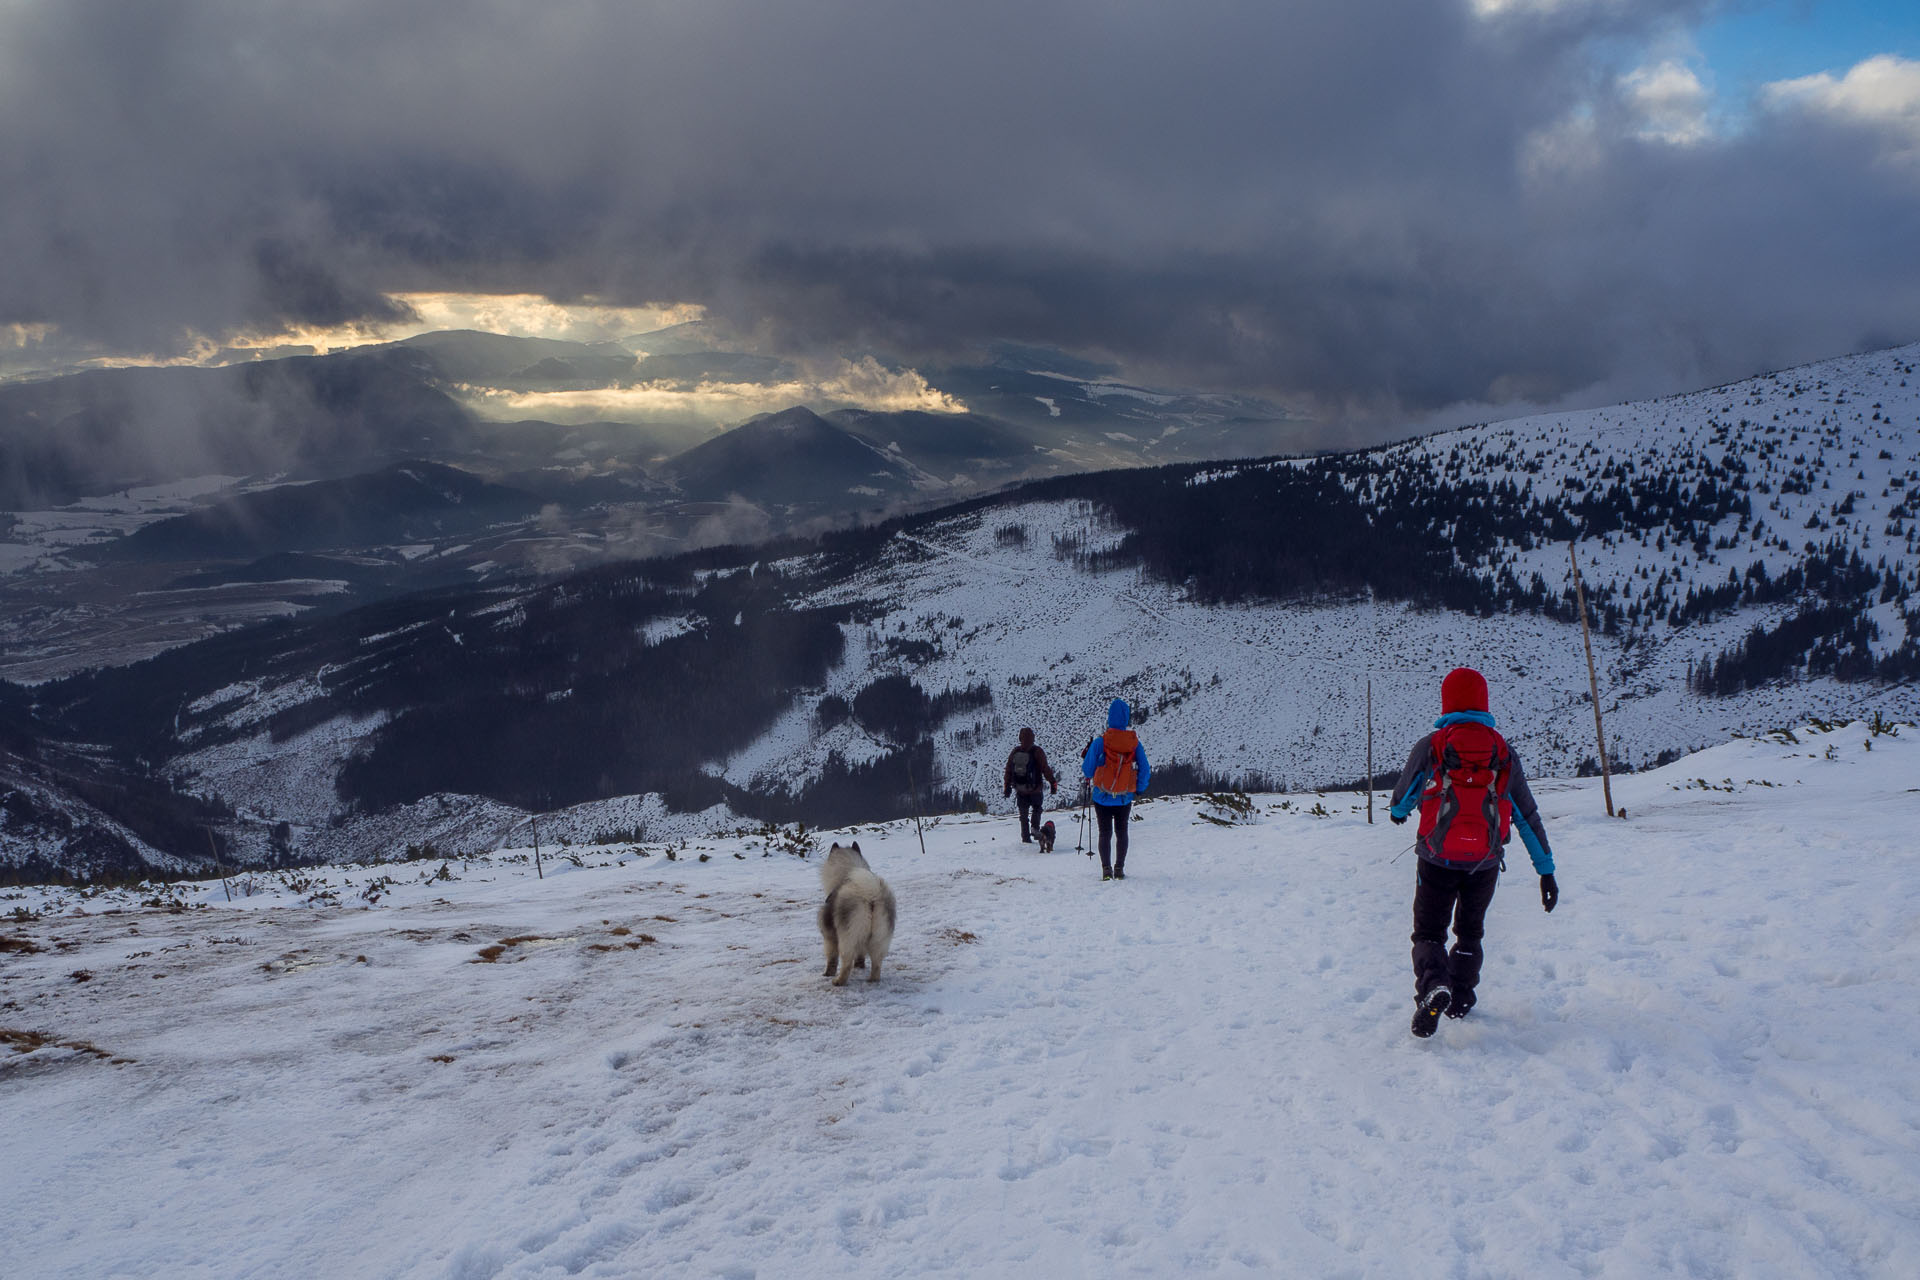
(1117, 774)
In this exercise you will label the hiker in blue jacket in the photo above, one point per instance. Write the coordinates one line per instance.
(1116, 764)
(1471, 793)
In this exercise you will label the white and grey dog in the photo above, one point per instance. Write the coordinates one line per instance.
(856, 920)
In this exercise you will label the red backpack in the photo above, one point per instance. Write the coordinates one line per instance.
(1465, 811)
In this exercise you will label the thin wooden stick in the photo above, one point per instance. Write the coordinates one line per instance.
(539, 871)
(1593, 681)
(1369, 750)
(913, 795)
(217, 866)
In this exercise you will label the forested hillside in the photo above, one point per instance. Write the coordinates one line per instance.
(1749, 556)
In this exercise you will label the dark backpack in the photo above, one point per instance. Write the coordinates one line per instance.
(1466, 814)
(1024, 768)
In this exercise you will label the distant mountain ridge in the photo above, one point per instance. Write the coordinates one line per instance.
(795, 458)
(91, 433)
(321, 416)
(408, 502)
(1750, 555)
(500, 360)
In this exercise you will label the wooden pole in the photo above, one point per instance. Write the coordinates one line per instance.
(539, 871)
(913, 797)
(217, 865)
(1369, 750)
(1593, 681)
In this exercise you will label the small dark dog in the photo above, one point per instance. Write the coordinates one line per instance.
(1046, 836)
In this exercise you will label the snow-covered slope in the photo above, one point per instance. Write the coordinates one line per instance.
(1279, 690)
(1750, 551)
(1700, 1064)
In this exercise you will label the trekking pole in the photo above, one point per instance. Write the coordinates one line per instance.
(1086, 818)
(1403, 853)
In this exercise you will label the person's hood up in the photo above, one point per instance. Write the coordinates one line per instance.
(1119, 714)
(1464, 689)
(1026, 737)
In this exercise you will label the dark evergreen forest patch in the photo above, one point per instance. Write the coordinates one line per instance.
(539, 697)
(572, 703)
(898, 710)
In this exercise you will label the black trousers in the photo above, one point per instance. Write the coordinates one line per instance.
(1029, 803)
(1440, 893)
(1113, 819)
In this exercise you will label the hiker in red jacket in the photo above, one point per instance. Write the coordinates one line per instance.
(1472, 794)
(1027, 770)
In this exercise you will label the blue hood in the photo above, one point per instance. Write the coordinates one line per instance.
(1119, 714)
(1465, 717)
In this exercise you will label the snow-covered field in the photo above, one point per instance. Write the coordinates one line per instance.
(36, 539)
(1703, 1063)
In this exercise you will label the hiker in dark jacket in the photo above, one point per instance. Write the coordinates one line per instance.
(1471, 792)
(1116, 764)
(1027, 770)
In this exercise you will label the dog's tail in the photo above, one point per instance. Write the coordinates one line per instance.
(842, 861)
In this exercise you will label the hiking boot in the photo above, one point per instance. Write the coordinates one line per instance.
(1118, 874)
(1427, 1010)
(1106, 876)
(1460, 1005)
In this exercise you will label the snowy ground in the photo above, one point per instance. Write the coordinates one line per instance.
(36, 538)
(1703, 1063)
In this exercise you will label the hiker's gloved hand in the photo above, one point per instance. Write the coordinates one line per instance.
(1397, 819)
(1056, 789)
(1005, 792)
(1549, 892)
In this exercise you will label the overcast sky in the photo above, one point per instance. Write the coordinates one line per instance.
(1385, 210)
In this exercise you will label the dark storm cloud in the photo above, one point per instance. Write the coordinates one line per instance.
(1350, 202)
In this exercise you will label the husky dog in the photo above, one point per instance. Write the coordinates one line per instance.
(856, 920)
(1046, 836)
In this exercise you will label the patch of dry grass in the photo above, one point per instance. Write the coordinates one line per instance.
(27, 1041)
(632, 944)
(490, 954)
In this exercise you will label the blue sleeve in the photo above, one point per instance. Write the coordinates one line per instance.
(1407, 803)
(1413, 777)
(1526, 819)
(1541, 855)
(1096, 754)
(1146, 770)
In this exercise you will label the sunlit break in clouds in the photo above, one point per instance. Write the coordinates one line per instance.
(858, 384)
